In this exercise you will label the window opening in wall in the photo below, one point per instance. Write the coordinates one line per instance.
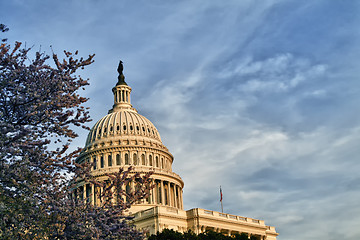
(117, 127)
(111, 128)
(88, 192)
(162, 163)
(105, 129)
(166, 195)
(128, 190)
(159, 200)
(126, 159)
(81, 190)
(131, 127)
(177, 196)
(109, 161)
(101, 161)
(157, 161)
(143, 129)
(124, 127)
(150, 160)
(118, 161)
(135, 159)
(94, 162)
(137, 128)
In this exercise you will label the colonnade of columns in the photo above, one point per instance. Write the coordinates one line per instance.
(121, 95)
(167, 194)
(164, 193)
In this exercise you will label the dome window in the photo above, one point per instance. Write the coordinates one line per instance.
(157, 161)
(148, 130)
(124, 127)
(137, 128)
(117, 127)
(131, 127)
(143, 159)
(126, 159)
(118, 161)
(105, 129)
(135, 159)
(109, 161)
(102, 162)
(111, 128)
(94, 162)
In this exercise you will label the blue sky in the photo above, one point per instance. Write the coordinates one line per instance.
(260, 97)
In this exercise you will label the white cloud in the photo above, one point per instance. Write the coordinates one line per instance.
(280, 73)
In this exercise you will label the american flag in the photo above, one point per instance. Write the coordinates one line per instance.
(220, 194)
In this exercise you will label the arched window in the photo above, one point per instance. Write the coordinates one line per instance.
(150, 160)
(109, 161)
(162, 163)
(126, 159)
(94, 162)
(102, 161)
(157, 161)
(143, 159)
(135, 161)
(118, 160)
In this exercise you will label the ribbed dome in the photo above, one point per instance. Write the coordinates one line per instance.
(123, 123)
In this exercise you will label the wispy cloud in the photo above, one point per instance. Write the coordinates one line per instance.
(261, 97)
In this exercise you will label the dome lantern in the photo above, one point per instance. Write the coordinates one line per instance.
(121, 93)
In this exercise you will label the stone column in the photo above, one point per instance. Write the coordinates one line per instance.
(154, 192)
(181, 199)
(92, 199)
(175, 196)
(84, 192)
(162, 193)
(113, 200)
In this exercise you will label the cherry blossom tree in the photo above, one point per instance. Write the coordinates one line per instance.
(41, 106)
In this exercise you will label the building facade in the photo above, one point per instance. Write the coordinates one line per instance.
(125, 138)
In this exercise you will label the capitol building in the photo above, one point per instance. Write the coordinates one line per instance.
(125, 138)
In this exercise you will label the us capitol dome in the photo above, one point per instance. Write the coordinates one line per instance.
(125, 138)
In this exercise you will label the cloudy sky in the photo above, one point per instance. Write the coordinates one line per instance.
(261, 97)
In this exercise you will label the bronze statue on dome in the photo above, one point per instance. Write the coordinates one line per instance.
(121, 77)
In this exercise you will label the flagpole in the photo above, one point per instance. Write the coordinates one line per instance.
(221, 197)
